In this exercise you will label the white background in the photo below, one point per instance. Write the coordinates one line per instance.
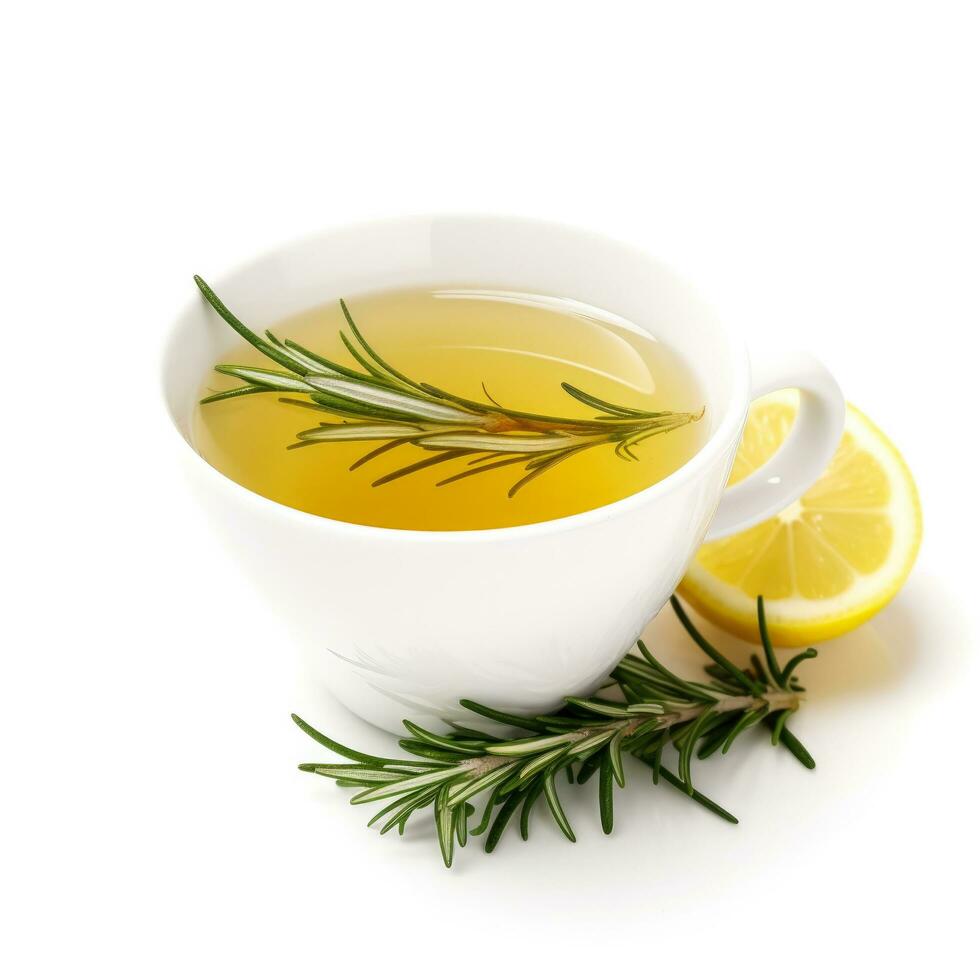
(814, 167)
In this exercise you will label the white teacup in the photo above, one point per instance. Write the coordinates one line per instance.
(405, 623)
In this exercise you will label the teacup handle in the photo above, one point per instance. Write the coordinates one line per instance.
(801, 459)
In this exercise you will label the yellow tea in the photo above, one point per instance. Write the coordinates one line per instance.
(450, 409)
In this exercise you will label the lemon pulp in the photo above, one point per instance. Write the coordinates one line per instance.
(830, 560)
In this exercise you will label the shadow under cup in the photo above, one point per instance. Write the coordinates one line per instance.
(402, 624)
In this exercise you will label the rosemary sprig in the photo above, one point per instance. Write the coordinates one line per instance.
(659, 711)
(378, 403)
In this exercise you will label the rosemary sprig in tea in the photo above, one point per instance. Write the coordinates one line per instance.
(659, 711)
(378, 403)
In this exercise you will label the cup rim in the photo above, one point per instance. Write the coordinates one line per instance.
(728, 428)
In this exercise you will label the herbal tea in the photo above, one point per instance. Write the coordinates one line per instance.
(448, 409)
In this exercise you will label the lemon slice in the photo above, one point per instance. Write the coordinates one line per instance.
(827, 562)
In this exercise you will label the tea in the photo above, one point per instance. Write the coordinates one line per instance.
(540, 408)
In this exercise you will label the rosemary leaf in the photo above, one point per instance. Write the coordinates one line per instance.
(368, 394)
(611, 710)
(414, 782)
(794, 662)
(352, 433)
(541, 762)
(616, 757)
(500, 822)
(503, 717)
(498, 443)
(343, 750)
(528, 746)
(270, 380)
(422, 464)
(533, 794)
(554, 804)
(233, 393)
(606, 793)
(444, 827)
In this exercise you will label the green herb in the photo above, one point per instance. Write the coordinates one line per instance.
(659, 711)
(378, 403)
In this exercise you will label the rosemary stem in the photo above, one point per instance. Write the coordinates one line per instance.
(772, 701)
